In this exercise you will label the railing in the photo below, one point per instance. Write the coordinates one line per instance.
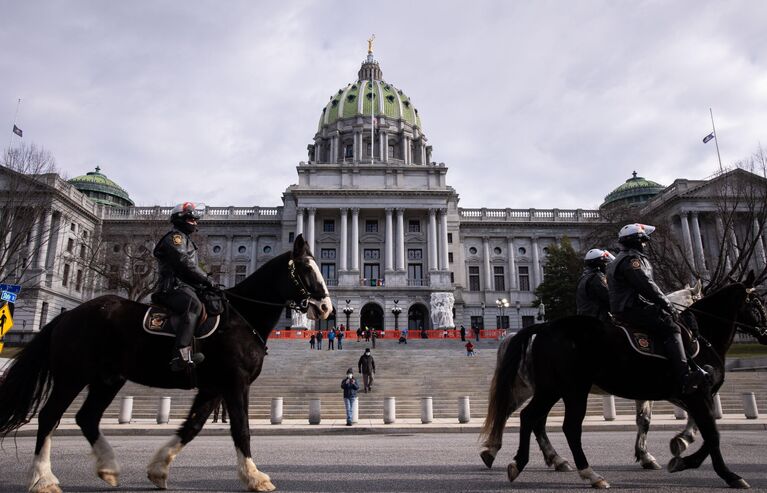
(210, 213)
(331, 282)
(371, 282)
(417, 282)
(531, 215)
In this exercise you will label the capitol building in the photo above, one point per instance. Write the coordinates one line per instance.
(380, 216)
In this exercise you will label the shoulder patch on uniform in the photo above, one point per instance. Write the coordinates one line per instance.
(636, 263)
(178, 239)
(604, 280)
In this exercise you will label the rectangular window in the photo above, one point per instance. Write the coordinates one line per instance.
(328, 226)
(72, 226)
(371, 254)
(291, 237)
(85, 235)
(524, 278)
(414, 254)
(372, 273)
(449, 256)
(473, 278)
(328, 271)
(113, 276)
(502, 321)
(65, 276)
(44, 314)
(328, 254)
(527, 321)
(240, 273)
(415, 272)
(477, 322)
(452, 277)
(414, 226)
(349, 151)
(371, 226)
(70, 245)
(450, 237)
(79, 280)
(499, 279)
(82, 251)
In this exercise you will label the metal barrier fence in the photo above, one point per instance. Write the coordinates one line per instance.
(392, 334)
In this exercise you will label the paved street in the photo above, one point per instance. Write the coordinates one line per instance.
(383, 463)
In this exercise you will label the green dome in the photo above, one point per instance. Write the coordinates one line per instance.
(101, 189)
(636, 190)
(359, 97)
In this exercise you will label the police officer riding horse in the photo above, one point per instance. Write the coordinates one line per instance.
(592, 296)
(180, 281)
(637, 300)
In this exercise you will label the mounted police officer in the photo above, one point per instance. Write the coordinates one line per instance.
(180, 277)
(635, 298)
(592, 297)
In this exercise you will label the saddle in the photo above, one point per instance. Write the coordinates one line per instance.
(157, 322)
(652, 345)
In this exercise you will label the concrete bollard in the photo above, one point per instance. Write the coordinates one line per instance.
(126, 410)
(427, 410)
(749, 405)
(680, 413)
(275, 416)
(608, 407)
(163, 411)
(464, 409)
(717, 407)
(355, 411)
(315, 411)
(390, 411)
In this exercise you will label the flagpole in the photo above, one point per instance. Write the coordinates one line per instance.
(15, 116)
(716, 140)
(372, 120)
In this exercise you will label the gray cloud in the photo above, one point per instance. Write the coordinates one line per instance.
(539, 104)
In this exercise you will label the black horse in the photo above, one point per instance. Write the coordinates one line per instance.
(572, 354)
(101, 344)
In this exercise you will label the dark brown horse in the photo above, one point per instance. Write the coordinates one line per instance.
(572, 354)
(101, 344)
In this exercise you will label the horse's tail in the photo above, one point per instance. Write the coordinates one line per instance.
(500, 399)
(27, 382)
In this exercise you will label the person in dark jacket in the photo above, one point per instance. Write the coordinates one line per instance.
(319, 339)
(350, 386)
(635, 298)
(592, 297)
(367, 366)
(180, 277)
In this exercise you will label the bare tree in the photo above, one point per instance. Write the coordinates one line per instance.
(27, 179)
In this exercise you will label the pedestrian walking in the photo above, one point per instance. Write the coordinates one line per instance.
(367, 366)
(350, 386)
(340, 336)
(463, 333)
(220, 408)
(373, 337)
(319, 339)
(469, 349)
(331, 340)
(311, 341)
(476, 333)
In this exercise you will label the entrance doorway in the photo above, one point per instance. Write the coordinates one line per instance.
(371, 316)
(417, 317)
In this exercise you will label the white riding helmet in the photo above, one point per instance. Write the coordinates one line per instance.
(597, 256)
(635, 231)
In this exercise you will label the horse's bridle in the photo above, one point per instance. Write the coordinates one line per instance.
(303, 305)
(760, 329)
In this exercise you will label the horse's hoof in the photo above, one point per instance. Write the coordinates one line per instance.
(676, 464)
(109, 477)
(49, 488)
(678, 445)
(651, 465)
(264, 485)
(512, 471)
(564, 466)
(601, 485)
(739, 483)
(487, 458)
(158, 480)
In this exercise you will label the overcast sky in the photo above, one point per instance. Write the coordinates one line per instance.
(529, 104)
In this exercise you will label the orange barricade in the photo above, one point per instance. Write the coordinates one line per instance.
(392, 334)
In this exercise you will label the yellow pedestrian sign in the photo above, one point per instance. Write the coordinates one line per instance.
(6, 321)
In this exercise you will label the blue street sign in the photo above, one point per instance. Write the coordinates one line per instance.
(8, 296)
(11, 288)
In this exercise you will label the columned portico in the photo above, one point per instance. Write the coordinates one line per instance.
(759, 250)
(512, 262)
(343, 254)
(310, 228)
(486, 261)
(536, 271)
(687, 237)
(389, 251)
(697, 244)
(299, 221)
(720, 234)
(355, 239)
(400, 239)
(432, 239)
(443, 259)
(45, 240)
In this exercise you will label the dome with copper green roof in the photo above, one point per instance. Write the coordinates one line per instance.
(636, 190)
(101, 189)
(370, 94)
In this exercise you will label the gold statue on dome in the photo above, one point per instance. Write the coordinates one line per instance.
(370, 44)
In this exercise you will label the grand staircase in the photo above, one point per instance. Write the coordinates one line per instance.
(436, 368)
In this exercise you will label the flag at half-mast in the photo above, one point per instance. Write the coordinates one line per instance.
(708, 137)
(17, 131)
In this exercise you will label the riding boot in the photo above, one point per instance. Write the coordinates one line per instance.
(186, 359)
(687, 382)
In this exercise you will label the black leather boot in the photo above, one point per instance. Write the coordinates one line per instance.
(185, 359)
(687, 381)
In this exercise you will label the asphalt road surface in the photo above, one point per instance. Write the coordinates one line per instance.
(384, 463)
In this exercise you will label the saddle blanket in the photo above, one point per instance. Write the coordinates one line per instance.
(156, 322)
(650, 345)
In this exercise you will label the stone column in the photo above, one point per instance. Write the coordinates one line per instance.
(299, 221)
(355, 148)
(536, 273)
(512, 265)
(720, 234)
(45, 237)
(317, 145)
(686, 237)
(356, 239)
(386, 147)
(343, 253)
(432, 239)
(381, 146)
(700, 259)
(443, 240)
(389, 250)
(759, 250)
(334, 149)
(228, 260)
(253, 255)
(486, 260)
(310, 228)
(400, 239)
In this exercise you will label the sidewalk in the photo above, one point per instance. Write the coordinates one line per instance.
(145, 427)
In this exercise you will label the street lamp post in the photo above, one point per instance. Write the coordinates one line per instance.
(502, 304)
(518, 306)
(348, 310)
(396, 311)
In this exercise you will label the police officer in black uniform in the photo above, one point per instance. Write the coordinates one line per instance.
(592, 297)
(635, 298)
(180, 277)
